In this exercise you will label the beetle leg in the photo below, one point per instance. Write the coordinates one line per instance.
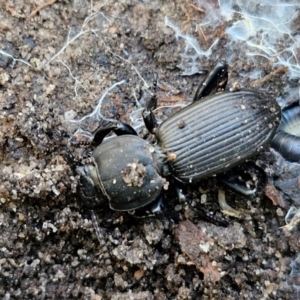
(227, 209)
(150, 120)
(100, 236)
(247, 179)
(118, 129)
(151, 209)
(148, 115)
(152, 104)
(123, 129)
(198, 209)
(70, 159)
(204, 215)
(101, 133)
(215, 81)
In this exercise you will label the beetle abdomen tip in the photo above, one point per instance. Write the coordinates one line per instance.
(287, 137)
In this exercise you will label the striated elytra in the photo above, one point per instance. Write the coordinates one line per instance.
(220, 132)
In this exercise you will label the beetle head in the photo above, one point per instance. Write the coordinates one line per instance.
(89, 189)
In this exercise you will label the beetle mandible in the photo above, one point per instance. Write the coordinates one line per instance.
(213, 134)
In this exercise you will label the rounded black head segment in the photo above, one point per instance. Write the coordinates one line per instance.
(88, 188)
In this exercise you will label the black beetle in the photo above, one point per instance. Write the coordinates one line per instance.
(209, 136)
(287, 137)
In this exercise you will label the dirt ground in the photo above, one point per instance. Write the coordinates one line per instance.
(56, 63)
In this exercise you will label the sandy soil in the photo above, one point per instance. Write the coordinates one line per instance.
(57, 61)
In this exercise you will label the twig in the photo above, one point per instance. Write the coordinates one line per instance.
(12, 11)
(42, 6)
(201, 31)
(199, 9)
(278, 72)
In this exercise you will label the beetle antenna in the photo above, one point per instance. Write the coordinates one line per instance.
(100, 236)
(70, 159)
(98, 231)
